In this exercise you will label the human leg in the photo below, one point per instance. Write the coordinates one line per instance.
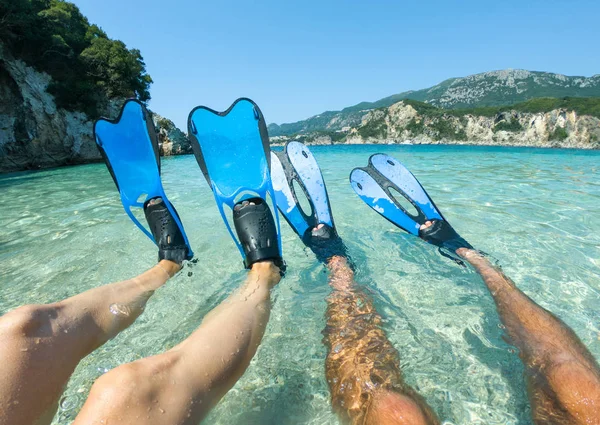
(181, 385)
(42, 344)
(362, 367)
(562, 375)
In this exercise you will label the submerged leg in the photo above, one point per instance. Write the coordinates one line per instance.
(362, 366)
(42, 344)
(563, 377)
(181, 385)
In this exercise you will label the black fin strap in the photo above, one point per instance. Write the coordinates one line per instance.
(441, 234)
(452, 255)
(326, 243)
(257, 233)
(167, 235)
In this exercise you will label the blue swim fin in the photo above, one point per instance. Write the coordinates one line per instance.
(130, 149)
(232, 150)
(296, 167)
(373, 183)
(297, 164)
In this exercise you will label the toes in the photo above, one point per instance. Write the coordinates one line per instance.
(425, 225)
(320, 226)
(243, 204)
(155, 201)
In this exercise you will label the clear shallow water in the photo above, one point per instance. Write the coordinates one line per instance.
(64, 231)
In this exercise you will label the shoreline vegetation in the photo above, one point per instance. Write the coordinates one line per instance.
(88, 69)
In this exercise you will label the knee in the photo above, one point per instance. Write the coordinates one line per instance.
(576, 387)
(134, 383)
(28, 321)
(120, 386)
(398, 409)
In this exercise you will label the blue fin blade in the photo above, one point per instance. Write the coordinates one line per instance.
(232, 149)
(308, 171)
(130, 149)
(372, 185)
(406, 183)
(297, 164)
(284, 197)
(374, 196)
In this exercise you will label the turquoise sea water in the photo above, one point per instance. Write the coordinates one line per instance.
(536, 211)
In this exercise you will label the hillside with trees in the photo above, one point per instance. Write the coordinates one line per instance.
(87, 67)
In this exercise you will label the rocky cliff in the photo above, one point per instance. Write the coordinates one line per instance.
(495, 88)
(403, 123)
(35, 133)
(171, 140)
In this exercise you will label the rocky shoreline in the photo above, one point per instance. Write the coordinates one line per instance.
(473, 143)
(403, 124)
(35, 133)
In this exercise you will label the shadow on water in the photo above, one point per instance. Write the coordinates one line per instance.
(285, 401)
(502, 358)
(12, 180)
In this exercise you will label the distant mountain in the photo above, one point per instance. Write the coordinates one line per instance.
(494, 88)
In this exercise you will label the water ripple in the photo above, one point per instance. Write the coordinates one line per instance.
(537, 211)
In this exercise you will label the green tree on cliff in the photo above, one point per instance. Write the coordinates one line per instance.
(88, 68)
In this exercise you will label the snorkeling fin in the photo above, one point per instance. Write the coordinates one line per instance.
(293, 167)
(232, 150)
(129, 147)
(373, 183)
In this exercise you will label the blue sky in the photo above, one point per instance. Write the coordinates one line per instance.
(299, 58)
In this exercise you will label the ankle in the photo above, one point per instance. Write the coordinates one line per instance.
(266, 271)
(467, 253)
(171, 267)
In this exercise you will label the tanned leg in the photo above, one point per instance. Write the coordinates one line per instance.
(42, 344)
(362, 366)
(181, 385)
(562, 376)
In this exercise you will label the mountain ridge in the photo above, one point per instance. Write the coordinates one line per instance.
(492, 88)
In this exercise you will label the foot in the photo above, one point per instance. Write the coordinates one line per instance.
(324, 241)
(425, 225)
(167, 235)
(441, 234)
(267, 271)
(323, 232)
(257, 233)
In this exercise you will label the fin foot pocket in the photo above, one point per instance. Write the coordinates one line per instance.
(257, 232)
(166, 232)
(442, 234)
(325, 243)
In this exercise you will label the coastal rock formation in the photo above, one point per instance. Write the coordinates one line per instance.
(402, 123)
(35, 133)
(506, 87)
(171, 140)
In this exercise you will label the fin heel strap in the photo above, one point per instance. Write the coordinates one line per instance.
(163, 226)
(326, 243)
(443, 235)
(257, 232)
